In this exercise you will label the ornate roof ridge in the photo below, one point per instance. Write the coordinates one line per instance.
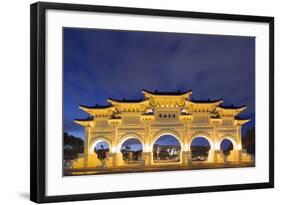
(241, 118)
(172, 93)
(206, 101)
(232, 107)
(84, 119)
(125, 100)
(96, 106)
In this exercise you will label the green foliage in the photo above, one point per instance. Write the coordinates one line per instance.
(72, 146)
(102, 153)
(130, 155)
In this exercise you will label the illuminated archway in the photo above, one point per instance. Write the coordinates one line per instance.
(131, 149)
(126, 137)
(226, 145)
(99, 150)
(166, 149)
(200, 147)
(102, 150)
(98, 140)
(166, 132)
(228, 138)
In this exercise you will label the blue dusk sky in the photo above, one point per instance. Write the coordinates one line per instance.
(101, 64)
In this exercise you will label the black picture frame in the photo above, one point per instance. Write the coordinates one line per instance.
(38, 101)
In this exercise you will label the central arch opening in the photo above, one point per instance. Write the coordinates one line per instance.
(200, 148)
(131, 150)
(166, 149)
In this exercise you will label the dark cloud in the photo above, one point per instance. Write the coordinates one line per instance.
(99, 64)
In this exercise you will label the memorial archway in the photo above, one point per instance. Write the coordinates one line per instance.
(166, 149)
(158, 114)
(200, 148)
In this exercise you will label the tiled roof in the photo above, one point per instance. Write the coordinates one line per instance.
(206, 101)
(96, 106)
(231, 107)
(241, 118)
(86, 120)
(156, 92)
(127, 100)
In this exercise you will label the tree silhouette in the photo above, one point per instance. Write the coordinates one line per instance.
(72, 146)
(249, 141)
(101, 152)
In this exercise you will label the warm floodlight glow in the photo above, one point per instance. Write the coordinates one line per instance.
(148, 120)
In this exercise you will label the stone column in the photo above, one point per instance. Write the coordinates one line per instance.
(211, 156)
(218, 156)
(119, 159)
(93, 160)
(239, 138)
(243, 156)
(147, 158)
(112, 160)
(186, 152)
(113, 156)
(218, 153)
(86, 145)
(147, 150)
(235, 154)
(186, 158)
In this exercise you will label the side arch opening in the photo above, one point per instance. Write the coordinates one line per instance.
(131, 150)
